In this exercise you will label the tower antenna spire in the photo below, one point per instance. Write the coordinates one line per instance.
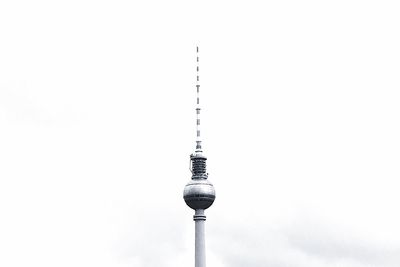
(198, 109)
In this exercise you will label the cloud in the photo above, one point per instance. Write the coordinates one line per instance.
(333, 244)
(152, 237)
(300, 245)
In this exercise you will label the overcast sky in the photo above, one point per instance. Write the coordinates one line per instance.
(300, 122)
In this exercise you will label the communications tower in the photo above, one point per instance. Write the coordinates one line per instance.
(199, 193)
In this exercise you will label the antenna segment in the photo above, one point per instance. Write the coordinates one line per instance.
(198, 138)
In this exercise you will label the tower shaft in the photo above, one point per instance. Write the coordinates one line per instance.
(200, 242)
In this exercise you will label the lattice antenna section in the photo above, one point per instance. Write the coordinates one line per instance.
(198, 109)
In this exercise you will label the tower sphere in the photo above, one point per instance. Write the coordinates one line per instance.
(199, 194)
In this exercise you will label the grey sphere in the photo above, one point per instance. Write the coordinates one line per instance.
(199, 194)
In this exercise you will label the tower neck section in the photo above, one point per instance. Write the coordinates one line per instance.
(199, 168)
(200, 242)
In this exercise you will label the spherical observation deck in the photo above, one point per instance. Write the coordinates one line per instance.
(199, 194)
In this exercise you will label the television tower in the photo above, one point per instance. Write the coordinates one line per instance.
(199, 193)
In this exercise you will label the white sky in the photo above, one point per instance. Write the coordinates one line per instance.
(300, 123)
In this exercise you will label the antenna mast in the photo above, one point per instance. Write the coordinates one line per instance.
(198, 138)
